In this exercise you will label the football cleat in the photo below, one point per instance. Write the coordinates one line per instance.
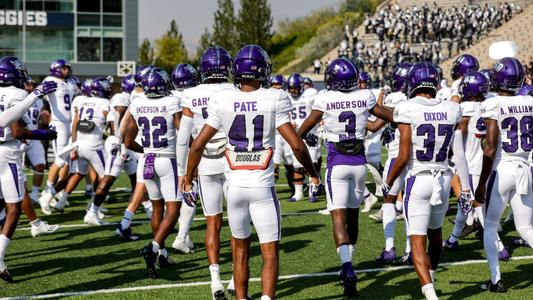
(43, 228)
(34, 196)
(520, 242)
(449, 245)
(189, 243)
(370, 201)
(93, 219)
(494, 288)
(504, 255)
(406, 259)
(61, 203)
(60, 195)
(349, 279)
(313, 199)
(150, 258)
(126, 233)
(378, 217)
(181, 245)
(88, 191)
(5, 276)
(387, 257)
(324, 212)
(231, 287)
(44, 202)
(164, 261)
(217, 290)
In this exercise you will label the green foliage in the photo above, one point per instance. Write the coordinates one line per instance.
(206, 40)
(146, 53)
(254, 23)
(224, 31)
(170, 49)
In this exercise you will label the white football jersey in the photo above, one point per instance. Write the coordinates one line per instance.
(476, 130)
(392, 100)
(345, 114)
(301, 109)
(196, 99)
(444, 94)
(61, 100)
(514, 115)
(432, 125)
(9, 146)
(309, 92)
(249, 120)
(32, 116)
(155, 120)
(454, 91)
(92, 109)
(120, 99)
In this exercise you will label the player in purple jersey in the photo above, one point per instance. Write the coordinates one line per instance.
(250, 116)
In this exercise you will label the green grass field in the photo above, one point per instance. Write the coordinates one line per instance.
(79, 258)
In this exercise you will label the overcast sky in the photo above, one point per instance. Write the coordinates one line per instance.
(193, 16)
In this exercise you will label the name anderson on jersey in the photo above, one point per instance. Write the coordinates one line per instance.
(151, 109)
(346, 104)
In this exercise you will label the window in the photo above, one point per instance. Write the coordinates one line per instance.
(112, 49)
(9, 4)
(59, 5)
(88, 49)
(33, 5)
(113, 20)
(89, 5)
(88, 20)
(114, 6)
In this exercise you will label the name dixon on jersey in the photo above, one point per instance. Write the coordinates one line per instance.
(247, 157)
(435, 116)
(346, 104)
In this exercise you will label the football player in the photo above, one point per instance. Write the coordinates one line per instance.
(157, 116)
(14, 102)
(214, 67)
(345, 110)
(249, 116)
(184, 76)
(278, 82)
(60, 105)
(505, 173)
(427, 127)
(463, 64)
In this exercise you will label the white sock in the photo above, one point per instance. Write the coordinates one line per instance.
(389, 224)
(459, 225)
(344, 254)
(500, 245)
(429, 291)
(94, 209)
(35, 223)
(366, 194)
(185, 220)
(399, 206)
(352, 250)
(407, 240)
(265, 297)
(4, 242)
(162, 252)
(35, 189)
(433, 274)
(490, 242)
(214, 270)
(479, 214)
(298, 190)
(126, 220)
(147, 204)
(155, 247)
(49, 185)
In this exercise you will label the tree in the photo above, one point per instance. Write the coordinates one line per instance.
(224, 31)
(254, 23)
(170, 49)
(146, 53)
(206, 40)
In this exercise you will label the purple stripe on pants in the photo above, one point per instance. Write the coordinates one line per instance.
(175, 170)
(392, 162)
(409, 186)
(490, 185)
(14, 172)
(101, 156)
(278, 211)
(470, 181)
(201, 194)
(328, 182)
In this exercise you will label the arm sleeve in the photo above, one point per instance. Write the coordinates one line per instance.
(182, 145)
(467, 109)
(489, 109)
(16, 111)
(371, 100)
(213, 118)
(282, 110)
(460, 160)
(401, 114)
(319, 104)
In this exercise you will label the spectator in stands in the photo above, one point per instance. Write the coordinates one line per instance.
(317, 65)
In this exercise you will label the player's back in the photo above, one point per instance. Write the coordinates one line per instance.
(345, 114)
(432, 126)
(514, 115)
(155, 120)
(32, 116)
(61, 99)
(249, 120)
(9, 146)
(91, 110)
(476, 130)
(392, 100)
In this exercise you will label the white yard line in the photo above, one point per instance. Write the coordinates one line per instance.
(201, 283)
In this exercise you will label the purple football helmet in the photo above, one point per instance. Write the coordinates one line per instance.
(308, 81)
(215, 63)
(507, 75)
(422, 75)
(341, 75)
(295, 84)
(399, 76)
(184, 76)
(156, 83)
(141, 71)
(526, 90)
(12, 72)
(86, 87)
(485, 72)
(278, 80)
(463, 64)
(101, 87)
(56, 68)
(75, 80)
(128, 83)
(473, 85)
(251, 62)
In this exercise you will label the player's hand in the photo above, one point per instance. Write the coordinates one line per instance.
(465, 202)
(73, 155)
(385, 188)
(311, 139)
(480, 194)
(45, 88)
(315, 187)
(115, 150)
(181, 183)
(189, 195)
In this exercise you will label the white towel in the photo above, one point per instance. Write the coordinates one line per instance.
(437, 188)
(523, 177)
